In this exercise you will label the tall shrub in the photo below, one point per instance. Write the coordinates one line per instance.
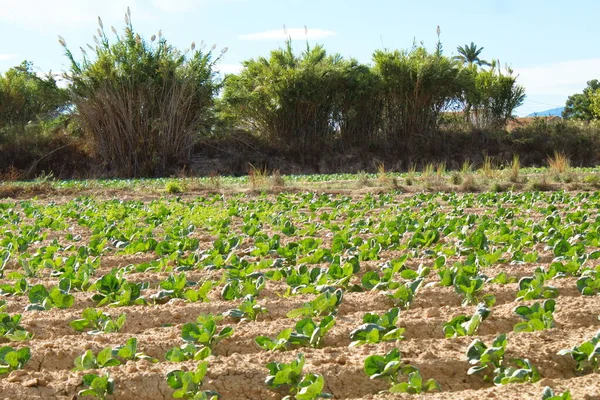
(416, 87)
(143, 103)
(301, 102)
(491, 97)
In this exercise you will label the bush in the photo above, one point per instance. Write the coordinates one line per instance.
(28, 99)
(304, 102)
(143, 103)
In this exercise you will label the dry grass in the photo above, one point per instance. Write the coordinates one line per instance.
(362, 179)
(12, 174)
(258, 177)
(515, 169)
(214, 180)
(487, 169)
(559, 163)
(541, 184)
(468, 184)
(277, 180)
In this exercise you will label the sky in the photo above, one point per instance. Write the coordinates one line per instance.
(552, 45)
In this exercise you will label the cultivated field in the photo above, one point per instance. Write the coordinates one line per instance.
(359, 284)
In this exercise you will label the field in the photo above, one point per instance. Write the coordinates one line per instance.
(220, 287)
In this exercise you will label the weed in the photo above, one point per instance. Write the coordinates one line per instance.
(559, 163)
(173, 187)
(515, 169)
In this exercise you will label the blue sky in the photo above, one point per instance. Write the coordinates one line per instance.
(551, 44)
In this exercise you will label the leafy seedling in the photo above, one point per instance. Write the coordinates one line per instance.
(99, 386)
(405, 293)
(11, 330)
(41, 299)
(187, 352)
(248, 310)
(532, 288)
(289, 377)
(376, 329)
(307, 332)
(587, 355)
(324, 304)
(464, 325)
(98, 322)
(589, 283)
(549, 394)
(12, 359)
(204, 331)
(390, 367)
(537, 317)
(187, 385)
(470, 288)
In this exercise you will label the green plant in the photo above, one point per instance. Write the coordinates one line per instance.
(177, 286)
(41, 299)
(390, 367)
(104, 359)
(532, 287)
(405, 293)
(464, 325)
(291, 378)
(98, 322)
(491, 361)
(537, 317)
(173, 90)
(248, 310)
(186, 352)
(204, 331)
(324, 304)
(377, 328)
(187, 385)
(471, 287)
(28, 98)
(113, 289)
(486, 359)
(306, 332)
(589, 282)
(550, 395)
(173, 187)
(10, 328)
(587, 354)
(12, 359)
(99, 386)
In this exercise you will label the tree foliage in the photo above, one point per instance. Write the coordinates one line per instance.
(470, 55)
(584, 106)
(27, 98)
(303, 101)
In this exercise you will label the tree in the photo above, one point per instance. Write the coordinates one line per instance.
(581, 105)
(27, 98)
(490, 96)
(469, 54)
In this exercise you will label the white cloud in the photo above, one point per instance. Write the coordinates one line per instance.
(558, 79)
(294, 33)
(229, 68)
(6, 57)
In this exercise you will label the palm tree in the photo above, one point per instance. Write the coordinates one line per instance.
(469, 54)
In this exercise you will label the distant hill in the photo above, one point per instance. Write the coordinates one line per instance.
(555, 112)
